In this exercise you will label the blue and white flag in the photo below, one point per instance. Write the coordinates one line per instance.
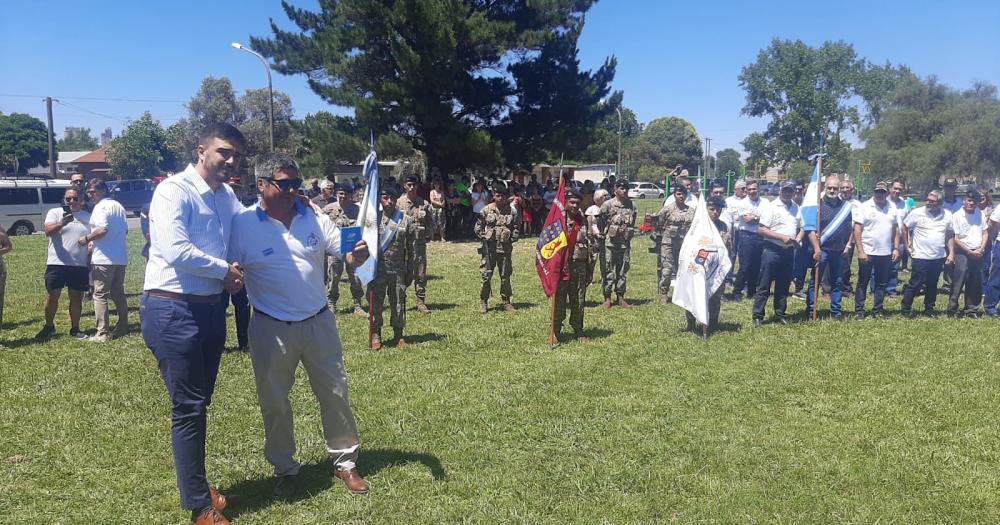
(810, 202)
(368, 219)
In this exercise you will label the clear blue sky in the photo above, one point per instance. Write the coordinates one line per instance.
(674, 58)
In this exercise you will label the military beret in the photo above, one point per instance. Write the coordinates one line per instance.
(716, 202)
(388, 190)
(621, 183)
(413, 178)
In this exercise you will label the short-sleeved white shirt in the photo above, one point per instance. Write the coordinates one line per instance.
(779, 218)
(901, 209)
(928, 233)
(876, 226)
(284, 268)
(64, 247)
(968, 227)
(747, 205)
(995, 217)
(594, 211)
(111, 248)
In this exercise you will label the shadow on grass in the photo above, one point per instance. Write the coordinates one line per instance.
(23, 322)
(441, 306)
(524, 306)
(255, 494)
(423, 338)
(596, 333)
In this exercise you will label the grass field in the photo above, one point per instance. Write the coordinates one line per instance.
(481, 422)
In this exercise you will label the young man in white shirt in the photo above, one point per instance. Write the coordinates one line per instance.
(781, 227)
(898, 201)
(926, 231)
(968, 245)
(750, 243)
(732, 204)
(281, 246)
(108, 229)
(66, 264)
(876, 238)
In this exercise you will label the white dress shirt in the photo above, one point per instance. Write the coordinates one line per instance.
(189, 228)
(64, 247)
(110, 249)
(968, 228)
(284, 268)
(745, 206)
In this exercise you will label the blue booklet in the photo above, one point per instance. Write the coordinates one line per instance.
(348, 238)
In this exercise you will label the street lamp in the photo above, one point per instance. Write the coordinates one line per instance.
(618, 166)
(270, 91)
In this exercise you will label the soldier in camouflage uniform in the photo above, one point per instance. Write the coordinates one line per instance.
(395, 267)
(618, 216)
(672, 224)
(572, 289)
(497, 227)
(343, 212)
(421, 214)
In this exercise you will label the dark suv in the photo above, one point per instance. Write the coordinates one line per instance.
(133, 194)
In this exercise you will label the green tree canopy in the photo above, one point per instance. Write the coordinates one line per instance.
(24, 142)
(665, 143)
(727, 160)
(142, 150)
(467, 82)
(603, 147)
(79, 141)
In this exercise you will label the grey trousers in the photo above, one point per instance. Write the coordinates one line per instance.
(276, 348)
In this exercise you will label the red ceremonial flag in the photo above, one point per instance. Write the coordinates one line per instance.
(555, 243)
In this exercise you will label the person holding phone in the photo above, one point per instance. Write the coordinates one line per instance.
(67, 263)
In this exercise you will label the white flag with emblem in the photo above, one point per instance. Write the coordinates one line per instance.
(368, 220)
(702, 265)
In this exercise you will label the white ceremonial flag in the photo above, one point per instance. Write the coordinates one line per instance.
(702, 265)
(368, 220)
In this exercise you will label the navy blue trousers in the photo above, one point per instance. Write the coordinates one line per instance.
(187, 340)
(751, 246)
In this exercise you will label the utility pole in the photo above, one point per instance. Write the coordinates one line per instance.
(52, 139)
(708, 158)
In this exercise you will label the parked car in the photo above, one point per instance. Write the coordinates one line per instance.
(133, 194)
(24, 203)
(641, 190)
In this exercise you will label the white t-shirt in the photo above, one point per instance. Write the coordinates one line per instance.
(876, 226)
(968, 227)
(928, 233)
(284, 268)
(594, 211)
(779, 218)
(901, 209)
(745, 206)
(995, 217)
(111, 248)
(64, 248)
(690, 200)
(478, 201)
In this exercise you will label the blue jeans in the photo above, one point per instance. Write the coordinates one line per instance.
(993, 284)
(832, 259)
(187, 340)
(803, 261)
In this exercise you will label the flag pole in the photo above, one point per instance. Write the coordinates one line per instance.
(552, 300)
(819, 233)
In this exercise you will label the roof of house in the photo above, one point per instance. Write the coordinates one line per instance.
(66, 157)
(97, 156)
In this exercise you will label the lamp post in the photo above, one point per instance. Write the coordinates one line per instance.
(270, 91)
(618, 110)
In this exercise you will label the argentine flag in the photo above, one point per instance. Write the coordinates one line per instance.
(810, 202)
(368, 219)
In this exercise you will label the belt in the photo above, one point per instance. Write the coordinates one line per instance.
(205, 299)
(273, 318)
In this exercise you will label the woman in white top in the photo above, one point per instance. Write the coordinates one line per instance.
(480, 197)
(593, 228)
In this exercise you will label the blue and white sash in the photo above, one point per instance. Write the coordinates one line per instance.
(390, 231)
(834, 225)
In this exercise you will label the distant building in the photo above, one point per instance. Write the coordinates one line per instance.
(93, 164)
(106, 137)
(64, 165)
(72, 131)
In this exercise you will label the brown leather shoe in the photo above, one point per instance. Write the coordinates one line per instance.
(219, 500)
(482, 307)
(607, 303)
(422, 308)
(211, 517)
(354, 482)
(507, 307)
(623, 303)
(376, 342)
(359, 311)
(400, 342)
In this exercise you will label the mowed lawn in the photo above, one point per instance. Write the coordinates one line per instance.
(480, 421)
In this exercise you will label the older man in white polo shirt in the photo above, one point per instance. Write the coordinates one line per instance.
(968, 245)
(876, 238)
(781, 228)
(927, 230)
(108, 229)
(281, 245)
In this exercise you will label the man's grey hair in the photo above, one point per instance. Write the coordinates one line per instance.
(271, 163)
(742, 183)
(935, 193)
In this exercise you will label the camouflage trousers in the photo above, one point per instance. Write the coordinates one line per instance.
(572, 293)
(501, 262)
(670, 251)
(393, 286)
(618, 258)
(420, 270)
(334, 270)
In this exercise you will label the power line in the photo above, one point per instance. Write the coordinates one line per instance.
(74, 106)
(98, 98)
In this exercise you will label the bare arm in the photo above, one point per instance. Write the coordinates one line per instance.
(862, 256)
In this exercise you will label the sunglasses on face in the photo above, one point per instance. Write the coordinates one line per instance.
(285, 184)
(933, 201)
(832, 188)
(71, 199)
(76, 181)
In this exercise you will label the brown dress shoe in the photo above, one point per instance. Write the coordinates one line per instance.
(376, 342)
(422, 308)
(580, 337)
(623, 303)
(400, 342)
(219, 500)
(482, 307)
(354, 482)
(607, 303)
(507, 307)
(210, 517)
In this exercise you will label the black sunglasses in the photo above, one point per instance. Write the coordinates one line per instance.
(72, 199)
(285, 184)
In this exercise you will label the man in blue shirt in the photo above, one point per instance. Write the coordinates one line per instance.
(828, 243)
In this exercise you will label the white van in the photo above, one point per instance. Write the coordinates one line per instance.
(24, 203)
